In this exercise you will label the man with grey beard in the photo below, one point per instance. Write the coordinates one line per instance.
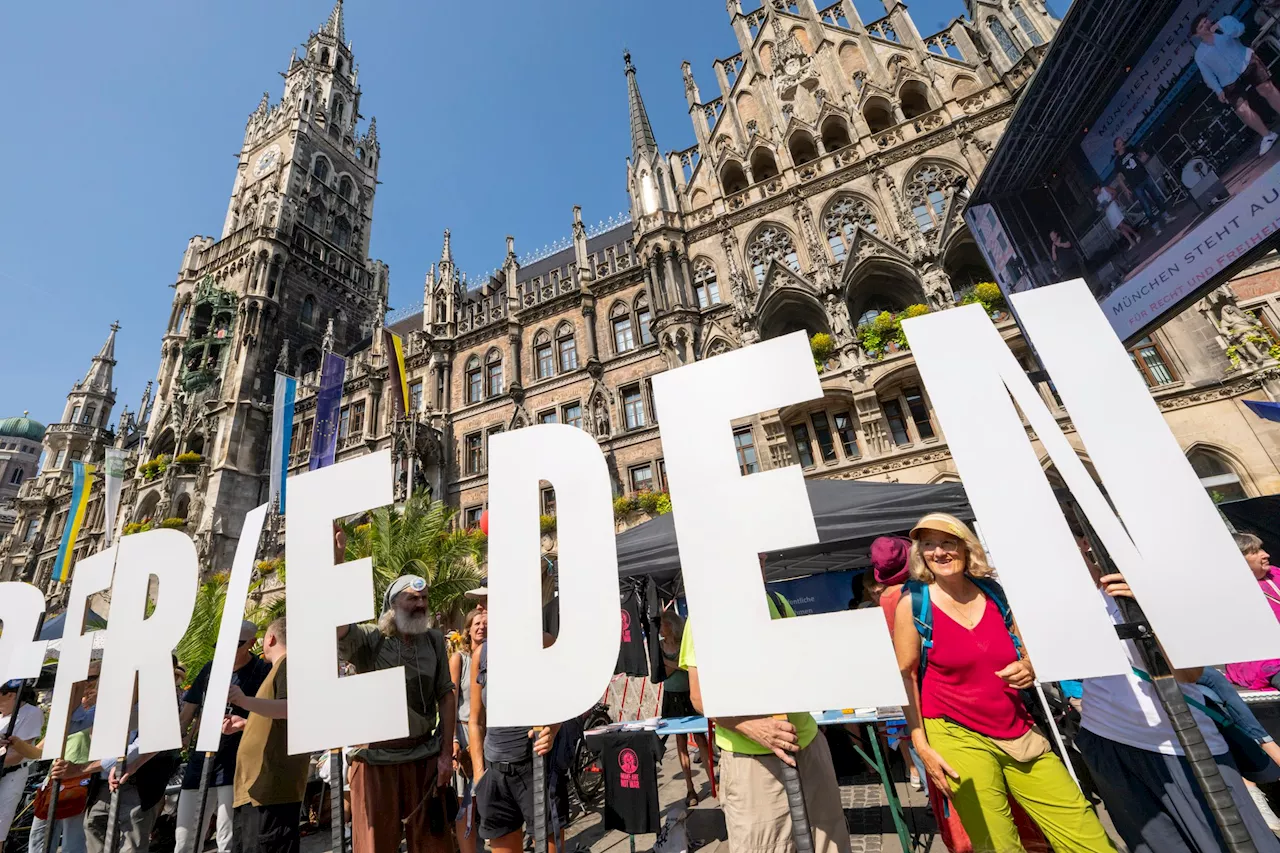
(394, 782)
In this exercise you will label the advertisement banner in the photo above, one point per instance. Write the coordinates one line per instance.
(324, 440)
(1168, 189)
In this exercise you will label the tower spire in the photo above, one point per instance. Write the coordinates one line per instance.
(99, 375)
(333, 26)
(643, 145)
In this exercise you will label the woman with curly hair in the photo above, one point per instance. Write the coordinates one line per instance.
(967, 720)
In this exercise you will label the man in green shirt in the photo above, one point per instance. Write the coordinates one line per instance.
(752, 750)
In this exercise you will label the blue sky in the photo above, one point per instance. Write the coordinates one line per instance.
(127, 117)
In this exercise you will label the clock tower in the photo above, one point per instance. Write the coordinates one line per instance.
(289, 276)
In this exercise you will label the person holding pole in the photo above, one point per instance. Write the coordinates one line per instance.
(1138, 764)
(963, 666)
(395, 784)
(68, 831)
(503, 761)
(23, 720)
(248, 673)
(270, 782)
(753, 752)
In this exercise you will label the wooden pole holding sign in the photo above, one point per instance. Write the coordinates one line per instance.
(337, 816)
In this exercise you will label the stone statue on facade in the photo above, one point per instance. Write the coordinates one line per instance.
(1246, 340)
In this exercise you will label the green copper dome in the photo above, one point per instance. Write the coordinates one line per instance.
(22, 427)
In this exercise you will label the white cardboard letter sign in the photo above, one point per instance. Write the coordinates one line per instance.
(1176, 537)
(1175, 540)
(322, 597)
(590, 619)
(91, 575)
(141, 646)
(215, 695)
(747, 664)
(20, 607)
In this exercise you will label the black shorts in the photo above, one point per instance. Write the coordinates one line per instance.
(1254, 74)
(504, 801)
(677, 704)
(269, 829)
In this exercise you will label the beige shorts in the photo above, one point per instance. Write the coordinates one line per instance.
(755, 804)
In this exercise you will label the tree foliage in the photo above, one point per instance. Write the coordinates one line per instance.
(420, 539)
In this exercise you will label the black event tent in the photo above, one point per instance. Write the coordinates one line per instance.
(1260, 516)
(849, 515)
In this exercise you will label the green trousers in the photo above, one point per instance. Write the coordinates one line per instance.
(1043, 787)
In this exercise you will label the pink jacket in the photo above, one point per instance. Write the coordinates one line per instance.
(1257, 674)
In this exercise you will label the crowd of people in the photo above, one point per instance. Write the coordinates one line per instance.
(971, 738)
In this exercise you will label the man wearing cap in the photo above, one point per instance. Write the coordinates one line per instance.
(249, 671)
(14, 773)
(393, 783)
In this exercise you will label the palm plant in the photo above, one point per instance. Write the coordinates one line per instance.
(195, 649)
(419, 539)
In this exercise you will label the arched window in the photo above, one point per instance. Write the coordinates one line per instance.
(75, 415)
(1024, 21)
(802, 148)
(879, 114)
(442, 307)
(733, 177)
(90, 414)
(771, 243)
(1218, 478)
(566, 348)
(308, 313)
(320, 168)
(706, 290)
(338, 111)
(341, 232)
(314, 215)
(15, 479)
(493, 373)
(345, 187)
(763, 166)
(874, 309)
(182, 317)
(842, 220)
(309, 363)
(643, 319)
(182, 506)
(324, 56)
(475, 381)
(1003, 39)
(544, 357)
(337, 64)
(914, 98)
(623, 333)
(927, 193)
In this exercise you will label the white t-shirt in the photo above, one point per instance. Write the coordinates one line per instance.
(1126, 709)
(29, 726)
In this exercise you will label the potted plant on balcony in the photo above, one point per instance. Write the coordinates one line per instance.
(988, 295)
(173, 523)
(189, 460)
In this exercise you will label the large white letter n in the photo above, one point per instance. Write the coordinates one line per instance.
(748, 665)
(1171, 540)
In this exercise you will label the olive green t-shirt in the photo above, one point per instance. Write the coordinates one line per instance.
(806, 726)
(266, 774)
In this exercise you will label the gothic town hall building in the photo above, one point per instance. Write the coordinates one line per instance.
(824, 187)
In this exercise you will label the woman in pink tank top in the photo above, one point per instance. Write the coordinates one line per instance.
(967, 719)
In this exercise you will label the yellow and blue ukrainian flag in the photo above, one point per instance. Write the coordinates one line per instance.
(81, 485)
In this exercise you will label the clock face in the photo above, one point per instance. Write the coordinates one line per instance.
(792, 65)
(267, 160)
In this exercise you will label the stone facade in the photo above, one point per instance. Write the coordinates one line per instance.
(825, 187)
